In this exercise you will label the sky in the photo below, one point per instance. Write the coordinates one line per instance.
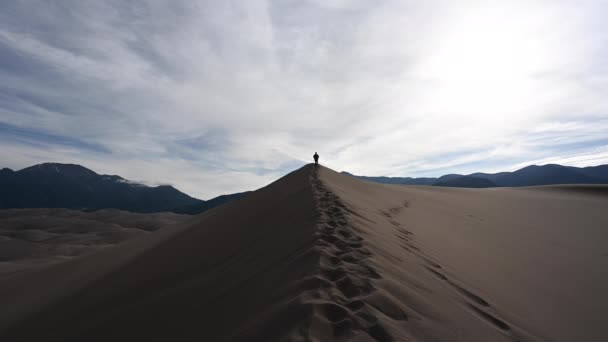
(217, 97)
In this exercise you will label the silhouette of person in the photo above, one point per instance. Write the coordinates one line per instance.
(316, 156)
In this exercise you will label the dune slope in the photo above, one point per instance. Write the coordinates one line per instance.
(319, 256)
(35, 237)
(519, 264)
(229, 274)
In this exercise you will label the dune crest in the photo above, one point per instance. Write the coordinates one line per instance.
(345, 275)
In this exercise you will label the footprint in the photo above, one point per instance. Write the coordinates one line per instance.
(334, 274)
(344, 233)
(379, 333)
(364, 251)
(412, 247)
(329, 261)
(407, 249)
(437, 274)
(353, 287)
(354, 305)
(491, 319)
(475, 298)
(343, 327)
(354, 244)
(385, 213)
(330, 238)
(333, 312)
(387, 306)
(431, 262)
(351, 257)
(405, 238)
(363, 270)
(365, 319)
(404, 231)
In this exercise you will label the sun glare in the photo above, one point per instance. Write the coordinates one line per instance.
(483, 58)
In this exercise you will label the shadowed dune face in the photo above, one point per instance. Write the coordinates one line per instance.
(318, 256)
(235, 272)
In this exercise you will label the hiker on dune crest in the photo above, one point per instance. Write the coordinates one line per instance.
(316, 156)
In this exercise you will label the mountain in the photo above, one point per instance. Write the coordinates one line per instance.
(489, 176)
(447, 178)
(599, 173)
(198, 208)
(396, 180)
(528, 176)
(545, 175)
(54, 185)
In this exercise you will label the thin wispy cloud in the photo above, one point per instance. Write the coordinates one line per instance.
(219, 96)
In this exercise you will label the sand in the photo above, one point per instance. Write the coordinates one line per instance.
(32, 238)
(321, 256)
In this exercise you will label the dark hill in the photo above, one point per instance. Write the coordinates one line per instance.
(54, 185)
(396, 180)
(197, 208)
(528, 176)
(467, 182)
(544, 175)
(489, 176)
(598, 173)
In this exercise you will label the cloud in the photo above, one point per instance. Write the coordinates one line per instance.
(216, 97)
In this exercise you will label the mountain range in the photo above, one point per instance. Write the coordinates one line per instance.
(55, 185)
(528, 176)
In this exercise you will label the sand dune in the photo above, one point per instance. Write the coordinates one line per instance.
(322, 256)
(36, 237)
(488, 265)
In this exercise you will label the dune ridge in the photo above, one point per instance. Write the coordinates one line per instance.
(345, 274)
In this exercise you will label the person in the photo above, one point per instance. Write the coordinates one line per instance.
(316, 156)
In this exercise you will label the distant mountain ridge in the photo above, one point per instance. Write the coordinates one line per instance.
(55, 185)
(198, 208)
(532, 175)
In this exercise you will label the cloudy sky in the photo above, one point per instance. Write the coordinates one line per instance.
(222, 96)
